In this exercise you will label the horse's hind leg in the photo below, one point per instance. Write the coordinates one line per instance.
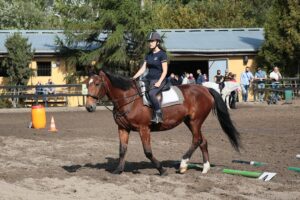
(146, 141)
(203, 147)
(198, 140)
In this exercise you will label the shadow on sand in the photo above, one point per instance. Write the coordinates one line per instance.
(112, 164)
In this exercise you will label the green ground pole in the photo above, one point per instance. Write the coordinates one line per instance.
(296, 169)
(242, 173)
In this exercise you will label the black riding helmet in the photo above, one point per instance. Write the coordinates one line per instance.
(154, 36)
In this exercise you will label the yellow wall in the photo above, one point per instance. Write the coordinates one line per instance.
(236, 66)
(58, 73)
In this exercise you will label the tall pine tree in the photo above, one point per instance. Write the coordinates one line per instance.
(16, 63)
(110, 32)
(19, 56)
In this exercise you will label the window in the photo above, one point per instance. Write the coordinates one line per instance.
(43, 68)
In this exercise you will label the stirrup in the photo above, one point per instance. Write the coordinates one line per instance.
(157, 117)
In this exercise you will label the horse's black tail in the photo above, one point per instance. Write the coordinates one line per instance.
(220, 109)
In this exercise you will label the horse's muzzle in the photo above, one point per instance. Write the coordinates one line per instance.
(91, 108)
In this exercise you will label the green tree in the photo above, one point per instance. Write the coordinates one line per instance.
(16, 63)
(282, 37)
(110, 32)
(210, 13)
(34, 14)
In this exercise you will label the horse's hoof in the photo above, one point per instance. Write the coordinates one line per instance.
(182, 170)
(117, 171)
(163, 172)
(183, 166)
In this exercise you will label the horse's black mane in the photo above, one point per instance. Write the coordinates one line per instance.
(118, 81)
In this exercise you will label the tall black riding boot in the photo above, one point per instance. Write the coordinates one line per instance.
(157, 117)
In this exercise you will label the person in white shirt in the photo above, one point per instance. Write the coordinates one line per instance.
(50, 90)
(185, 79)
(275, 77)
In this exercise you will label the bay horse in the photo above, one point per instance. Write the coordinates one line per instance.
(130, 114)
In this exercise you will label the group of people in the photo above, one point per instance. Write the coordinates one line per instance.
(261, 76)
(247, 78)
(44, 90)
(187, 78)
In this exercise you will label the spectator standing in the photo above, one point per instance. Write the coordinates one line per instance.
(185, 79)
(246, 79)
(219, 79)
(178, 79)
(228, 76)
(200, 78)
(204, 78)
(174, 79)
(275, 77)
(191, 79)
(260, 76)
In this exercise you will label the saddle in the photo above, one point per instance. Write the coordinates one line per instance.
(171, 95)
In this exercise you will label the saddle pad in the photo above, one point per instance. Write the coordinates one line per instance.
(171, 97)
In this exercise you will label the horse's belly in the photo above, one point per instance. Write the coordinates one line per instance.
(164, 126)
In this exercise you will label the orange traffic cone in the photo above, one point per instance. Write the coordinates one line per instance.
(52, 125)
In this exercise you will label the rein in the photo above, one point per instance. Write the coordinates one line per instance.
(115, 101)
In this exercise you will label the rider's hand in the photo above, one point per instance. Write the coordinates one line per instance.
(157, 84)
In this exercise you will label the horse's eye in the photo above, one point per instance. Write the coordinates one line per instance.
(97, 84)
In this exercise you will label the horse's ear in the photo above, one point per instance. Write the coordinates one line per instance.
(101, 72)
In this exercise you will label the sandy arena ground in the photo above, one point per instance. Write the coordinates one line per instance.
(76, 162)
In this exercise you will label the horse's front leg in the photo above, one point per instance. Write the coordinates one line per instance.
(146, 141)
(123, 136)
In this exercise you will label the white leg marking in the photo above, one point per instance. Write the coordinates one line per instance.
(206, 167)
(183, 165)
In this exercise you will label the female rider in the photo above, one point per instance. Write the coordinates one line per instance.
(156, 62)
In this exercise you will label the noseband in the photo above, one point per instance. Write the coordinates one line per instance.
(93, 96)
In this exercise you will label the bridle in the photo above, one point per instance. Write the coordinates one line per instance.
(114, 101)
(102, 83)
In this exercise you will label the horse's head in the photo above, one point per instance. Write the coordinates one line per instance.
(96, 86)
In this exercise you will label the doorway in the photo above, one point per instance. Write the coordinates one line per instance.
(179, 67)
